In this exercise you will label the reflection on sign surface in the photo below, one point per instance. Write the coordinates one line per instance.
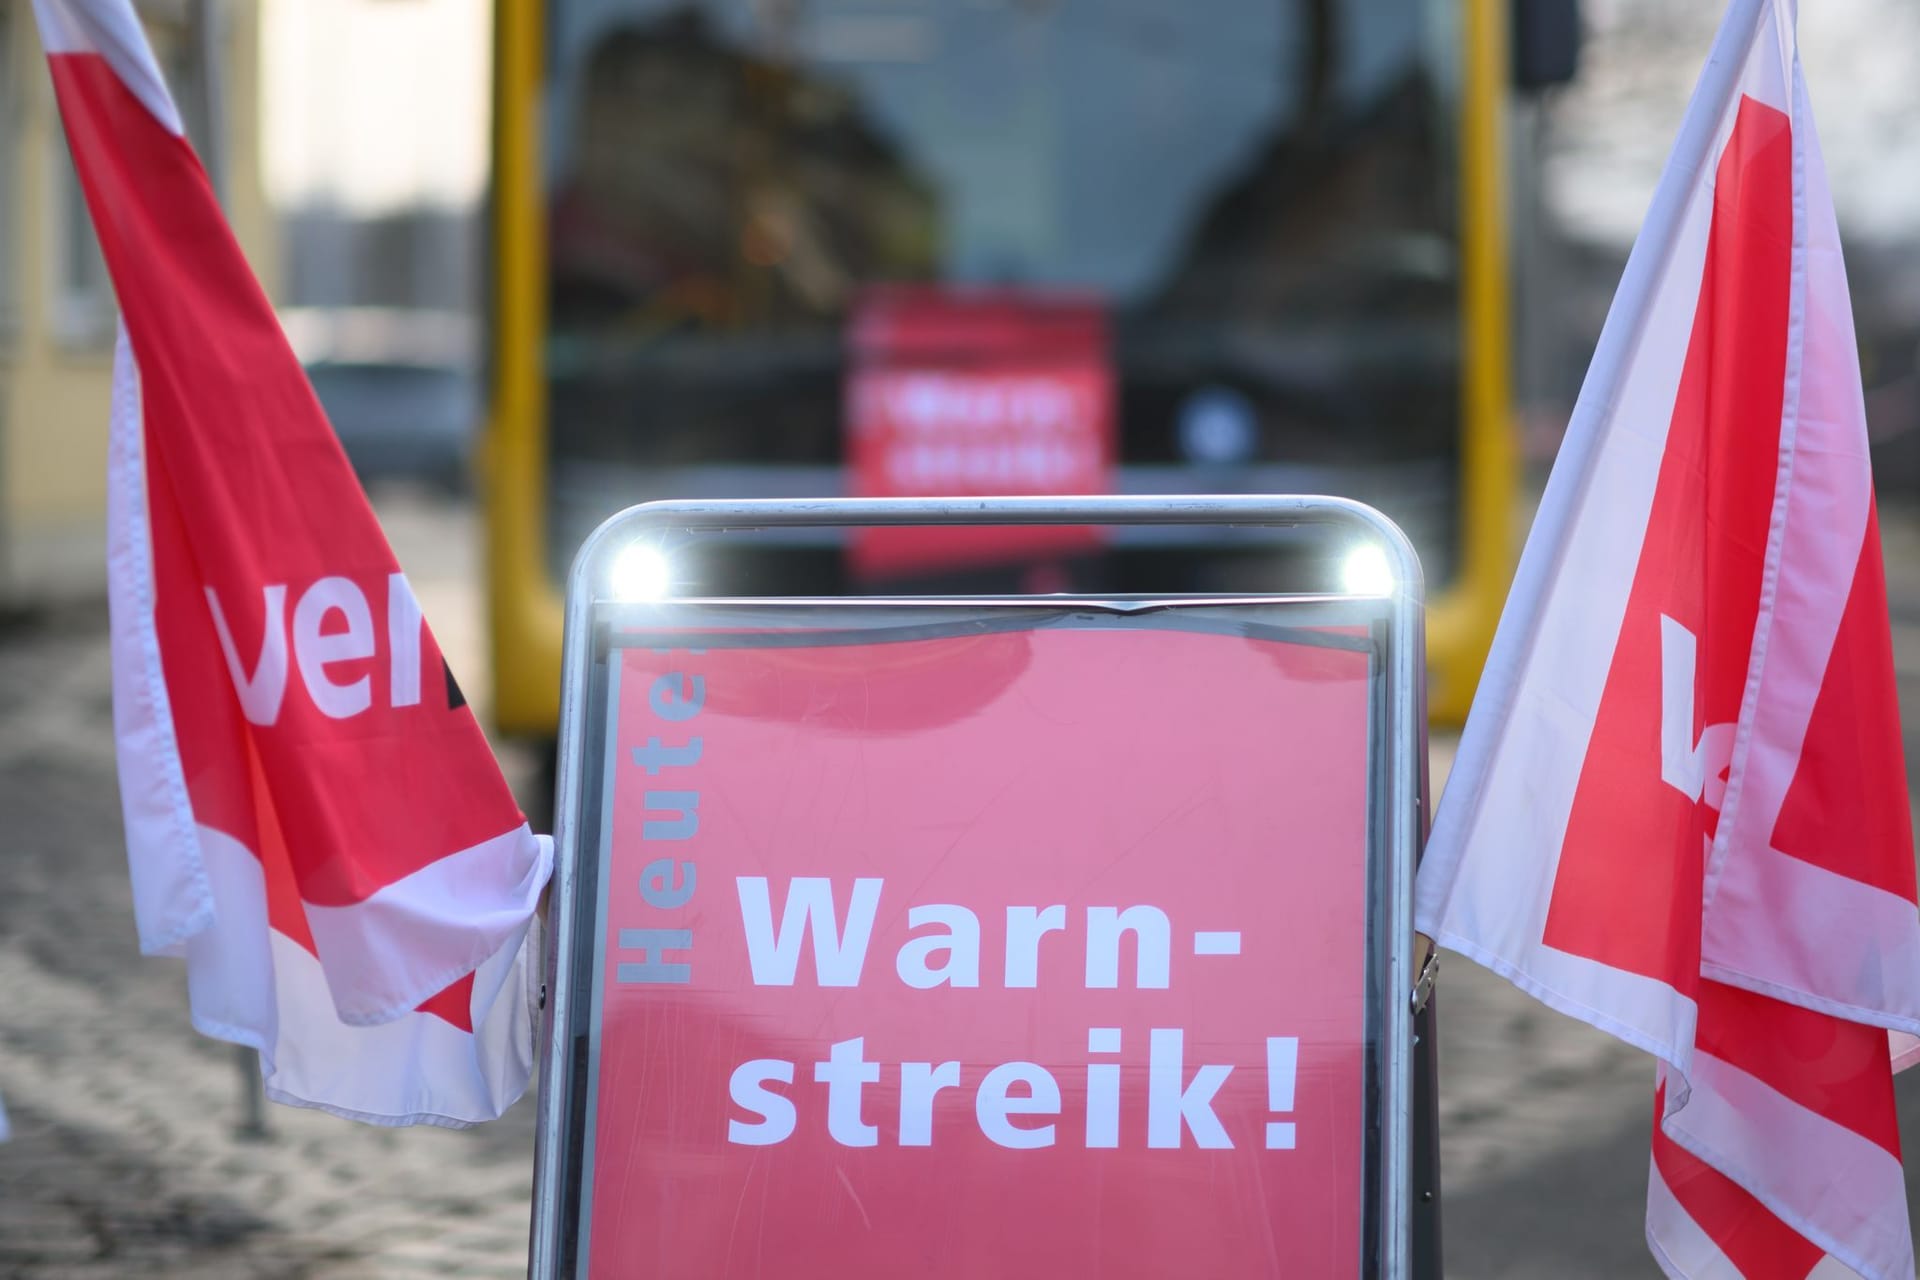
(1019, 953)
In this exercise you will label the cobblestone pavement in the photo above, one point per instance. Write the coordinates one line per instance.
(127, 1157)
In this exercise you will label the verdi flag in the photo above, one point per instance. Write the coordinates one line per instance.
(1679, 810)
(313, 817)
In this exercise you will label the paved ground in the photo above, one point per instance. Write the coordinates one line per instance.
(126, 1157)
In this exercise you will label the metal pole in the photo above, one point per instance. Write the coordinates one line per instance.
(206, 34)
(207, 108)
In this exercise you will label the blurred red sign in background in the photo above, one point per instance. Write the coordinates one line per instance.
(971, 394)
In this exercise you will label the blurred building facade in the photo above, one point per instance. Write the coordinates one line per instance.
(375, 125)
(57, 312)
(1597, 149)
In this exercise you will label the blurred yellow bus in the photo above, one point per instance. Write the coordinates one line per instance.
(1288, 215)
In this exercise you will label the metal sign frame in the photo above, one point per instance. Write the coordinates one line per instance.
(1407, 1191)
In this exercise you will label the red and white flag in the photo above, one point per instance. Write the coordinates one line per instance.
(313, 818)
(1679, 809)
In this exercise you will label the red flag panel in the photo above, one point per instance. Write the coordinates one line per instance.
(1847, 810)
(1628, 889)
(260, 528)
(303, 692)
(1746, 1231)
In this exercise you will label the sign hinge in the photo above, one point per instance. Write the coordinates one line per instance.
(1423, 985)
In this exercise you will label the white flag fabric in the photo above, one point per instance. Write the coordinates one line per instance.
(1679, 809)
(313, 818)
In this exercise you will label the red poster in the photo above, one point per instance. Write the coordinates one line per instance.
(1014, 953)
(968, 395)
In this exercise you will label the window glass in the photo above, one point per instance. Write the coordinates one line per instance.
(1258, 196)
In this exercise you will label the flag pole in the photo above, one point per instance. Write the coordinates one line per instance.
(206, 32)
(204, 41)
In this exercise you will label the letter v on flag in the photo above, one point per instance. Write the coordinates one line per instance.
(313, 818)
(1679, 809)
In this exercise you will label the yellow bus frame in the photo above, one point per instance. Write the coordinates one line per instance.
(524, 603)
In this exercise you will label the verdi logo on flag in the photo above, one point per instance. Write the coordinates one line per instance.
(331, 640)
(313, 817)
(1679, 809)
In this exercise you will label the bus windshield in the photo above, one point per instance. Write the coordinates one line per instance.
(1255, 200)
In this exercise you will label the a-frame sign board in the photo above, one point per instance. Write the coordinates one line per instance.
(1016, 937)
